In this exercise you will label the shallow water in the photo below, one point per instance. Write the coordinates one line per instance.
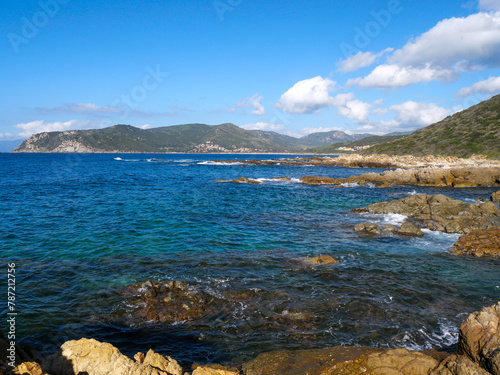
(81, 228)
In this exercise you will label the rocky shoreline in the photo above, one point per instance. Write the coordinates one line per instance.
(478, 353)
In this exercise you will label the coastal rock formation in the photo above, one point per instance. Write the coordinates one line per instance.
(370, 228)
(479, 338)
(482, 243)
(439, 212)
(28, 368)
(214, 370)
(495, 197)
(89, 356)
(408, 229)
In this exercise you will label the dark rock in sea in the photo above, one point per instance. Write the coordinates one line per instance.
(244, 180)
(408, 229)
(482, 243)
(370, 228)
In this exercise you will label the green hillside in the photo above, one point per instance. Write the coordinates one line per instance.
(474, 131)
(368, 141)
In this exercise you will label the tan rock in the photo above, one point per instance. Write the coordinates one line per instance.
(458, 365)
(479, 338)
(408, 229)
(322, 259)
(481, 243)
(28, 368)
(92, 357)
(495, 197)
(370, 228)
(214, 370)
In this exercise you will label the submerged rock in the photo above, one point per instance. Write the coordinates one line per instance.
(481, 243)
(322, 259)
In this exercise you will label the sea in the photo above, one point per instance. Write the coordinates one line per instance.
(82, 228)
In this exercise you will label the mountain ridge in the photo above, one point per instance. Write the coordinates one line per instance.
(187, 138)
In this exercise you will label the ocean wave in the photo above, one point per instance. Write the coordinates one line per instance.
(422, 339)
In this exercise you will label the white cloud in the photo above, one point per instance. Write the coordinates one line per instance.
(380, 111)
(308, 96)
(394, 76)
(355, 110)
(473, 38)
(88, 108)
(40, 126)
(488, 86)
(414, 114)
(360, 60)
(253, 102)
(145, 126)
(489, 4)
(6, 135)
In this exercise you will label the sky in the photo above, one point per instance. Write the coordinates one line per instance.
(294, 67)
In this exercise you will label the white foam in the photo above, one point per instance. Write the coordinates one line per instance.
(117, 159)
(394, 219)
(218, 163)
(443, 235)
(349, 184)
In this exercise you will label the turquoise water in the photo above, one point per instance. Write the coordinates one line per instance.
(81, 228)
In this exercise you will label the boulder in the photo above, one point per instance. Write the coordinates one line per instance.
(89, 356)
(408, 229)
(214, 370)
(322, 259)
(458, 365)
(389, 228)
(28, 368)
(495, 197)
(370, 228)
(481, 243)
(244, 180)
(479, 338)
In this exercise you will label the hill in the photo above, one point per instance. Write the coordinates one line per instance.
(474, 131)
(355, 145)
(190, 138)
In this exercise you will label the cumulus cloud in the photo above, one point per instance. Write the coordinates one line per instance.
(308, 96)
(488, 86)
(253, 102)
(40, 126)
(145, 126)
(87, 108)
(412, 114)
(472, 38)
(394, 76)
(360, 60)
(489, 4)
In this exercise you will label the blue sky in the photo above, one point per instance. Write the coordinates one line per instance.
(294, 67)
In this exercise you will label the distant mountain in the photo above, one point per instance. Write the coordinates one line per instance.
(475, 130)
(7, 146)
(328, 138)
(191, 138)
(355, 145)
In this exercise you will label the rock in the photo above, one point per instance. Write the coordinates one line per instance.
(482, 243)
(479, 338)
(439, 212)
(214, 370)
(342, 360)
(89, 356)
(389, 228)
(370, 228)
(323, 259)
(408, 229)
(458, 365)
(244, 180)
(495, 197)
(28, 368)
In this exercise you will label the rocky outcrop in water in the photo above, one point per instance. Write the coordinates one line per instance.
(441, 213)
(482, 243)
(495, 197)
